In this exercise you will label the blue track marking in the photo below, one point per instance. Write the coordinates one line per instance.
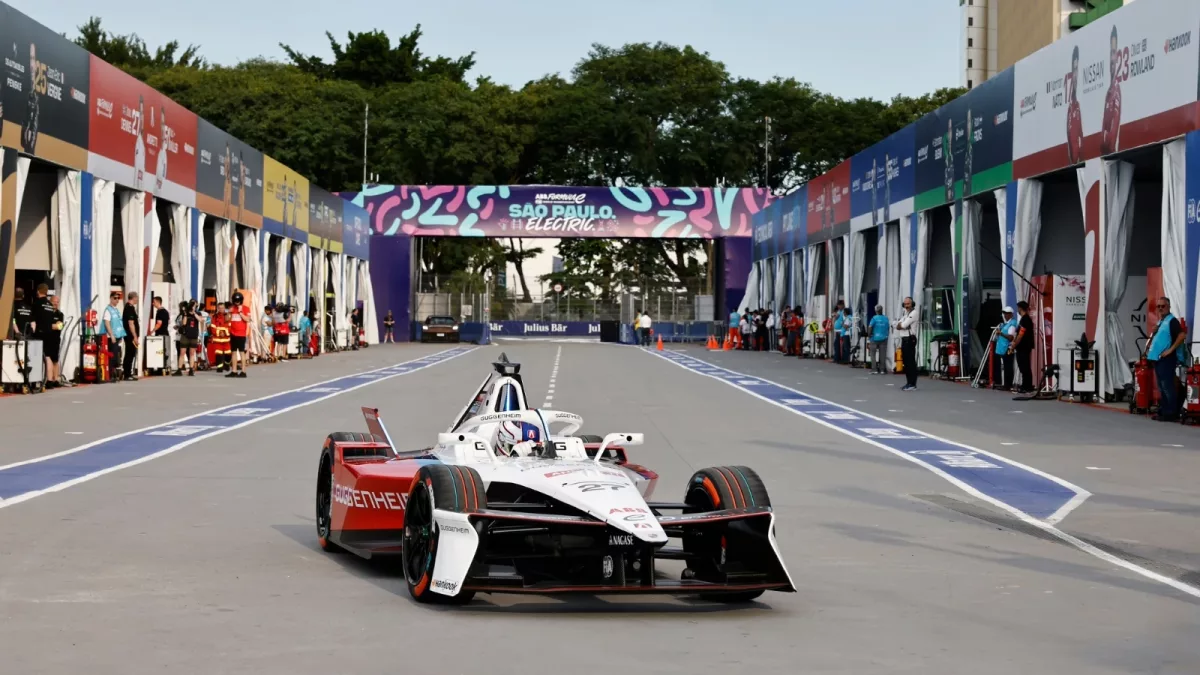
(996, 479)
(28, 479)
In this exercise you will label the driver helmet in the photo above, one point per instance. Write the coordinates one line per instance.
(512, 432)
(237, 298)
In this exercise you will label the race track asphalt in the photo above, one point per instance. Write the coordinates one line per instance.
(206, 560)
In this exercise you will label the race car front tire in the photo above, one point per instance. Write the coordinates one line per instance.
(324, 500)
(450, 488)
(714, 489)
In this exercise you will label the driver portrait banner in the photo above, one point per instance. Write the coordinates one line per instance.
(559, 211)
(229, 177)
(1127, 80)
(45, 96)
(139, 138)
(828, 214)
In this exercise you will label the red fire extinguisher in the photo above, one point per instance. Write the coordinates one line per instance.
(952, 360)
(1145, 394)
(91, 364)
(1191, 402)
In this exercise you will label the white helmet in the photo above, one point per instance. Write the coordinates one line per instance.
(508, 435)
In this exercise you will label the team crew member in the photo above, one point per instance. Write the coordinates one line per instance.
(53, 343)
(1004, 351)
(735, 335)
(189, 338)
(113, 328)
(355, 328)
(220, 338)
(133, 341)
(239, 328)
(268, 329)
(306, 333)
(747, 328)
(907, 328)
(879, 328)
(389, 324)
(645, 324)
(795, 331)
(43, 320)
(847, 333)
(161, 326)
(1023, 347)
(22, 321)
(283, 331)
(1166, 353)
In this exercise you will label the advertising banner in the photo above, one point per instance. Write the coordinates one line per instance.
(139, 138)
(558, 211)
(355, 230)
(325, 220)
(1128, 79)
(881, 182)
(987, 163)
(545, 329)
(229, 177)
(764, 229)
(941, 152)
(45, 97)
(828, 213)
(285, 196)
(793, 232)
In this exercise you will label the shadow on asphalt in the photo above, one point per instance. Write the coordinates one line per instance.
(385, 573)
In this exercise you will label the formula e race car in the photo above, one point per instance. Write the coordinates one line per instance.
(502, 505)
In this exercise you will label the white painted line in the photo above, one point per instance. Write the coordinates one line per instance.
(896, 411)
(1018, 412)
(968, 400)
(860, 400)
(175, 448)
(1098, 468)
(1172, 445)
(74, 433)
(1010, 443)
(1046, 526)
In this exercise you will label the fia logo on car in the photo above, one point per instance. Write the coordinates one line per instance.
(608, 567)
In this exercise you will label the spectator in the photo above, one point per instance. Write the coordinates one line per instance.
(133, 340)
(161, 326)
(1166, 353)
(239, 328)
(22, 321)
(646, 324)
(112, 327)
(747, 327)
(1023, 347)
(907, 328)
(879, 328)
(389, 323)
(1003, 375)
(268, 332)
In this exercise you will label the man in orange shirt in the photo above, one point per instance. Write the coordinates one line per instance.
(239, 328)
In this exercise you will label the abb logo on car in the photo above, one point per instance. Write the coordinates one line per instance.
(364, 499)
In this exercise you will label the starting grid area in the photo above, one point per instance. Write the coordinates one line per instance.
(1003, 482)
(24, 480)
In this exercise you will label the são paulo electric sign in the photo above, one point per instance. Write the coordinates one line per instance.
(557, 211)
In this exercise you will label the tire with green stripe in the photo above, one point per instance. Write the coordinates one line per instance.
(449, 488)
(716, 489)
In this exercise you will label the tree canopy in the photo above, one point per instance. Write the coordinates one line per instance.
(640, 114)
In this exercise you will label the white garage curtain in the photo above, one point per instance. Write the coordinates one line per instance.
(152, 235)
(198, 278)
(283, 285)
(781, 278)
(253, 282)
(22, 178)
(750, 298)
(858, 272)
(351, 284)
(370, 319)
(1174, 222)
(972, 222)
(1119, 197)
(1007, 295)
(918, 290)
(224, 242)
(836, 257)
(814, 254)
(265, 264)
(103, 194)
(69, 214)
(299, 276)
(1027, 229)
(316, 278)
(181, 263)
(339, 298)
(908, 260)
(882, 273)
(895, 272)
(133, 231)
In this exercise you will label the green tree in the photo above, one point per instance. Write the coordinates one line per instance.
(130, 53)
(369, 60)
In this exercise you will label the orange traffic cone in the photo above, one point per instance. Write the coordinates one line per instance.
(660, 343)
(729, 343)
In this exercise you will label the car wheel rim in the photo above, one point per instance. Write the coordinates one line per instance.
(418, 534)
(324, 503)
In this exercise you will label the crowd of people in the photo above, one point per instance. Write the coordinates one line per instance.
(218, 338)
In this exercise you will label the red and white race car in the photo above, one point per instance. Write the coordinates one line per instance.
(502, 505)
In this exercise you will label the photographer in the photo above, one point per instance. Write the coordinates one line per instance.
(188, 327)
(283, 330)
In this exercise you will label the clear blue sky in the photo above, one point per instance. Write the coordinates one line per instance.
(849, 48)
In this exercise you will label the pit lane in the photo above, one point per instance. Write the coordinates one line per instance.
(206, 560)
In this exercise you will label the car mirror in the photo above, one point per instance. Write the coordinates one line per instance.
(624, 439)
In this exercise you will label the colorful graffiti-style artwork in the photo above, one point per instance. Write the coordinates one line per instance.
(555, 211)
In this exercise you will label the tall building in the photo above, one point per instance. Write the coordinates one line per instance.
(996, 34)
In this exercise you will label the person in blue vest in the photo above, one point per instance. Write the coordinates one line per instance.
(1166, 353)
(835, 338)
(735, 324)
(879, 328)
(1002, 377)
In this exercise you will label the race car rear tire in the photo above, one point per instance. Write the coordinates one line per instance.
(324, 499)
(450, 488)
(715, 489)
